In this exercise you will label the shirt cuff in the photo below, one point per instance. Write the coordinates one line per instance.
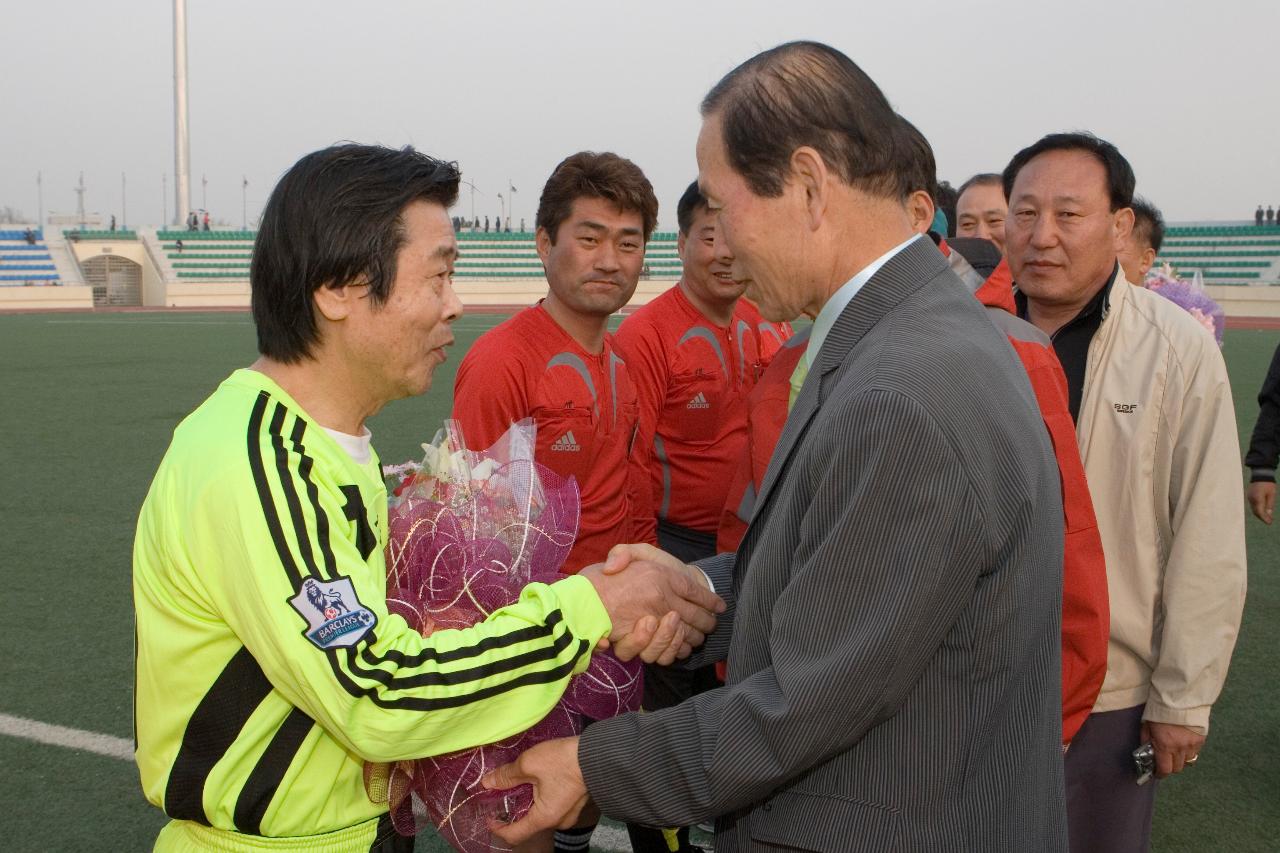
(705, 577)
(1262, 475)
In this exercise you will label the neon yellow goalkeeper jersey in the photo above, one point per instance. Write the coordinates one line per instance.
(268, 668)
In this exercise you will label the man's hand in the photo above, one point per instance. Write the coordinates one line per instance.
(636, 590)
(1262, 500)
(559, 791)
(1174, 746)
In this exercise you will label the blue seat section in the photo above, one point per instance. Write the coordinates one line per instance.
(16, 267)
(26, 258)
(30, 277)
(19, 235)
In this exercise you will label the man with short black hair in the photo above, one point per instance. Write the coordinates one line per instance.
(257, 699)
(1152, 403)
(981, 209)
(1138, 252)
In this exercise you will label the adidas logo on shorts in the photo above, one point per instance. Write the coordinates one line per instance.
(699, 402)
(566, 443)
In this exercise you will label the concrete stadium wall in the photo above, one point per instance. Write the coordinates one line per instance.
(1246, 300)
(472, 292)
(48, 298)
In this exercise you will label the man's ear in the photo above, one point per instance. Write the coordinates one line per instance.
(542, 239)
(920, 210)
(337, 303)
(809, 172)
(1123, 225)
(680, 243)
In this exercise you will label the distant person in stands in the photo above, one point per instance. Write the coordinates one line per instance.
(179, 245)
(1138, 251)
(486, 225)
(521, 224)
(113, 222)
(1271, 215)
(193, 221)
(1264, 446)
(981, 209)
(29, 236)
(1257, 216)
(206, 220)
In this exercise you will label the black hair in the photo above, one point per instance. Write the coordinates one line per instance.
(591, 174)
(335, 219)
(1148, 222)
(805, 93)
(690, 203)
(982, 179)
(1120, 179)
(921, 166)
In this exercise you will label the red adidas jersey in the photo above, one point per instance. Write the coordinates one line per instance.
(772, 335)
(692, 379)
(767, 407)
(584, 406)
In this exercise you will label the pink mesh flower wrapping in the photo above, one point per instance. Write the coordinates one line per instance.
(468, 531)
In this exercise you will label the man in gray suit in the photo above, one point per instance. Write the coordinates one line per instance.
(893, 633)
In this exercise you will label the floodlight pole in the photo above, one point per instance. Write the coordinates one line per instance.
(181, 128)
(511, 202)
(473, 201)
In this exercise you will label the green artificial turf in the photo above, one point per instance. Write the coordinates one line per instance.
(87, 405)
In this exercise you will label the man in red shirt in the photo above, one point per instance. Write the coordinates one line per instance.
(694, 355)
(555, 361)
(557, 364)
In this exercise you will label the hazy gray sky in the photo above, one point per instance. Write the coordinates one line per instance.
(1187, 90)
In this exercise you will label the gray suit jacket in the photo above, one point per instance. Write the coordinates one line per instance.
(894, 633)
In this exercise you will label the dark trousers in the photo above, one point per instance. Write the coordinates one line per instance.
(1107, 810)
(667, 686)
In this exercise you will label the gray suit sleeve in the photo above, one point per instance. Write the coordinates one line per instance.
(892, 543)
(719, 571)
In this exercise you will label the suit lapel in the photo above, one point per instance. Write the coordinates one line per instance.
(901, 275)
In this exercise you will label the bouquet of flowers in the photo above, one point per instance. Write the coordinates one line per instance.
(1190, 297)
(468, 530)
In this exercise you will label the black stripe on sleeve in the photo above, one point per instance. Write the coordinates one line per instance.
(436, 678)
(488, 644)
(213, 726)
(300, 533)
(264, 780)
(305, 466)
(413, 703)
(264, 491)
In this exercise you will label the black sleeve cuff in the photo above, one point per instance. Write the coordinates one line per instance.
(1262, 475)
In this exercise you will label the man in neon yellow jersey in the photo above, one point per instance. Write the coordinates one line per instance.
(268, 667)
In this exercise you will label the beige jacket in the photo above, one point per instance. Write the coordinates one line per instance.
(1157, 434)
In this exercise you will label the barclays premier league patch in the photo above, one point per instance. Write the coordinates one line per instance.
(335, 617)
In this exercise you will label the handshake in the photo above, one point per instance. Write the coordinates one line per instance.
(661, 608)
